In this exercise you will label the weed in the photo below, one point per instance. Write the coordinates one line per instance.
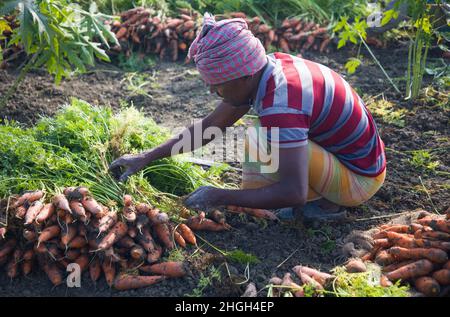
(242, 257)
(423, 160)
(205, 281)
(385, 109)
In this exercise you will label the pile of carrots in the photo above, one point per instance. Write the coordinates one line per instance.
(417, 253)
(72, 227)
(167, 38)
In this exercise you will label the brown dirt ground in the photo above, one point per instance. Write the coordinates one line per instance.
(178, 96)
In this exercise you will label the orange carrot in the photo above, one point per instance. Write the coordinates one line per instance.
(77, 243)
(307, 280)
(107, 221)
(53, 273)
(121, 33)
(383, 243)
(355, 266)
(432, 235)
(414, 227)
(83, 262)
(401, 240)
(163, 233)
(60, 201)
(28, 255)
(427, 286)
(49, 233)
(68, 234)
(155, 255)
(126, 242)
(394, 266)
(27, 266)
(72, 254)
(424, 243)
(77, 209)
(415, 269)
(126, 282)
(442, 276)
(397, 228)
(320, 277)
(434, 255)
(142, 208)
(129, 213)
(137, 252)
(179, 239)
(187, 234)
(95, 269)
(196, 223)
(109, 268)
(384, 258)
(437, 224)
(384, 281)
(115, 234)
(8, 247)
(169, 269)
(32, 212)
(29, 196)
(21, 212)
(91, 205)
(45, 213)
(127, 200)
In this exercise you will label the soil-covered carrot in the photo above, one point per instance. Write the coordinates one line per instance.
(91, 205)
(7, 247)
(320, 277)
(355, 266)
(129, 213)
(432, 235)
(127, 200)
(132, 232)
(107, 221)
(27, 267)
(217, 216)
(437, 224)
(127, 282)
(126, 242)
(109, 269)
(442, 276)
(29, 197)
(77, 243)
(384, 258)
(3, 231)
(196, 223)
(394, 266)
(425, 243)
(21, 212)
(434, 255)
(68, 234)
(77, 209)
(162, 231)
(53, 272)
(383, 243)
(169, 269)
(187, 234)
(179, 239)
(72, 254)
(95, 269)
(115, 234)
(142, 208)
(412, 270)
(414, 227)
(60, 201)
(33, 211)
(308, 280)
(401, 240)
(28, 254)
(45, 213)
(49, 233)
(397, 228)
(137, 252)
(384, 281)
(12, 269)
(427, 286)
(83, 262)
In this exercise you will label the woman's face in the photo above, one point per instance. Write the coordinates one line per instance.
(236, 92)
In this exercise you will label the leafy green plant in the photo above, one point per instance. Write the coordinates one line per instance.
(423, 160)
(137, 82)
(242, 257)
(206, 281)
(385, 109)
(135, 62)
(57, 35)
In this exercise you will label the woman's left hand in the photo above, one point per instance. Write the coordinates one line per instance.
(204, 198)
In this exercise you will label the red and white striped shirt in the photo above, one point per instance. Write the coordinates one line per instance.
(307, 100)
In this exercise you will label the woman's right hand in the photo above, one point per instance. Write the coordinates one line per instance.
(128, 165)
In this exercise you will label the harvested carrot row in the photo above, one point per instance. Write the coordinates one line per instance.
(434, 255)
(415, 269)
(29, 197)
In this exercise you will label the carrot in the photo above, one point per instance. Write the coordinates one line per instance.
(126, 242)
(288, 281)
(414, 227)
(33, 211)
(427, 285)
(77, 209)
(217, 216)
(442, 276)
(397, 228)
(8, 247)
(179, 239)
(54, 274)
(432, 235)
(384, 281)
(60, 201)
(434, 255)
(141, 221)
(129, 214)
(21, 212)
(121, 33)
(308, 280)
(83, 262)
(415, 269)
(115, 234)
(68, 234)
(260, 213)
(12, 270)
(424, 243)
(77, 243)
(187, 234)
(142, 208)
(45, 213)
(3, 231)
(27, 266)
(107, 222)
(49, 233)
(28, 255)
(109, 268)
(163, 233)
(169, 269)
(196, 223)
(380, 235)
(137, 252)
(29, 197)
(72, 254)
(437, 224)
(355, 266)
(401, 240)
(91, 205)
(394, 266)
(320, 277)
(95, 269)
(126, 282)
(383, 243)
(384, 258)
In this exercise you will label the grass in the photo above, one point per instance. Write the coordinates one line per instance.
(205, 281)
(423, 160)
(388, 112)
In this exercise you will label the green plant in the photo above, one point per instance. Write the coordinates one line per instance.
(136, 62)
(137, 82)
(242, 257)
(385, 109)
(57, 35)
(205, 281)
(423, 160)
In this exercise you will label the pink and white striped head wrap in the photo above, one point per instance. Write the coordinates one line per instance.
(226, 50)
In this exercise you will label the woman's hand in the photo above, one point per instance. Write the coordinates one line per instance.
(204, 198)
(130, 163)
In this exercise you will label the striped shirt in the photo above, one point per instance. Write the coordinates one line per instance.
(307, 100)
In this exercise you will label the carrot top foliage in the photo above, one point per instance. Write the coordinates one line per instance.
(76, 146)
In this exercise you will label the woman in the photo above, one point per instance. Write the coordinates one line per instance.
(329, 152)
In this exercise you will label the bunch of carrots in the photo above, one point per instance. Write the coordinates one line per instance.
(72, 227)
(417, 253)
(169, 37)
